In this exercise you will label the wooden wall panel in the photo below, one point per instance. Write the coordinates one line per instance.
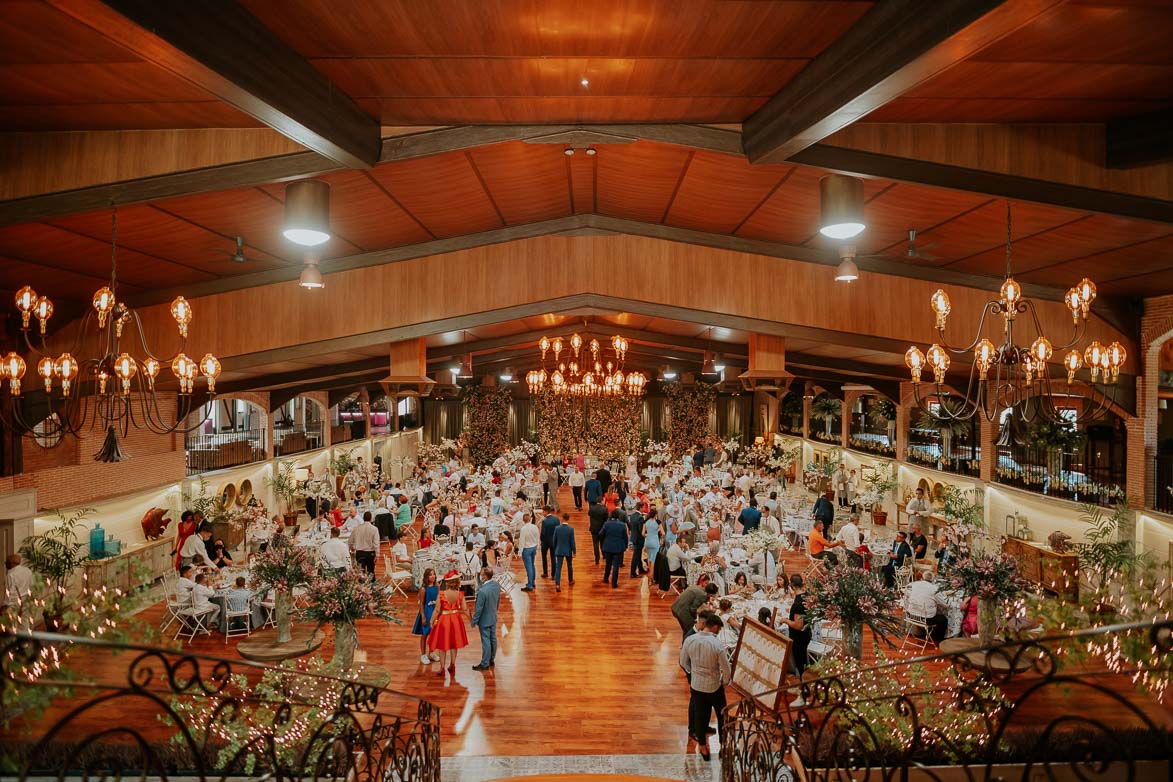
(527, 182)
(36, 163)
(1057, 153)
(442, 191)
(581, 170)
(498, 276)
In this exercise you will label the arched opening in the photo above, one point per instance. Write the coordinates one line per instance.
(826, 418)
(347, 421)
(873, 424)
(1158, 409)
(939, 440)
(234, 431)
(298, 426)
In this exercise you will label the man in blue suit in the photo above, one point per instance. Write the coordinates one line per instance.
(900, 553)
(593, 490)
(613, 541)
(549, 524)
(484, 617)
(564, 552)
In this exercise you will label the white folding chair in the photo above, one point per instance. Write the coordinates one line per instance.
(230, 615)
(174, 606)
(903, 577)
(193, 619)
(915, 618)
(396, 577)
(676, 585)
(826, 638)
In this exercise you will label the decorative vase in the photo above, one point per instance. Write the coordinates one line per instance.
(987, 620)
(345, 641)
(827, 422)
(853, 640)
(879, 517)
(281, 605)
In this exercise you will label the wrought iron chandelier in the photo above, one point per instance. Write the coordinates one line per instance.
(1014, 375)
(600, 377)
(99, 383)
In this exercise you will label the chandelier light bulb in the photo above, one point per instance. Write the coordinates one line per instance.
(210, 367)
(1092, 357)
(1029, 365)
(983, 355)
(575, 342)
(45, 370)
(121, 320)
(14, 368)
(103, 376)
(941, 306)
(557, 379)
(594, 348)
(938, 359)
(103, 304)
(557, 346)
(1087, 294)
(1117, 355)
(1074, 303)
(44, 310)
(181, 367)
(181, 311)
(151, 370)
(914, 359)
(588, 380)
(66, 368)
(26, 299)
(1072, 362)
(544, 344)
(1011, 294)
(126, 368)
(1041, 350)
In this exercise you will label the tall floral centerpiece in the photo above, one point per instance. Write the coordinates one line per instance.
(855, 598)
(688, 415)
(993, 579)
(282, 567)
(486, 423)
(341, 600)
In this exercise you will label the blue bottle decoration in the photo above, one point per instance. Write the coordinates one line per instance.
(97, 542)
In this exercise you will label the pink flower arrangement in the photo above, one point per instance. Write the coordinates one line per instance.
(347, 597)
(988, 576)
(854, 596)
(282, 566)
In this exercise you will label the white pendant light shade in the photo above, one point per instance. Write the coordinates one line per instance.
(847, 271)
(307, 212)
(841, 204)
(311, 277)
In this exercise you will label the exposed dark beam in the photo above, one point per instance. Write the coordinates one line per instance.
(638, 336)
(222, 48)
(1130, 142)
(895, 46)
(1015, 188)
(285, 379)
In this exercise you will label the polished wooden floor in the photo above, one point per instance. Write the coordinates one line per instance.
(587, 671)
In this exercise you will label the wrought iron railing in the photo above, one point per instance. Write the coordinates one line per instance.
(287, 440)
(145, 712)
(955, 454)
(866, 435)
(1059, 707)
(1060, 473)
(223, 449)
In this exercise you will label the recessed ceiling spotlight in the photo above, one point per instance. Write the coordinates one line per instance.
(592, 151)
(585, 82)
(569, 152)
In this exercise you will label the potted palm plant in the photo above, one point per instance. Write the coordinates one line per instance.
(947, 425)
(283, 484)
(55, 556)
(882, 411)
(826, 409)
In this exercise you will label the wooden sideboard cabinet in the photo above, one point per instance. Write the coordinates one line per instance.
(153, 557)
(1041, 565)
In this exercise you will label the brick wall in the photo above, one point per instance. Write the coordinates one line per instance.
(1156, 327)
(68, 474)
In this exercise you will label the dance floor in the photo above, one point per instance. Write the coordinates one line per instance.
(588, 671)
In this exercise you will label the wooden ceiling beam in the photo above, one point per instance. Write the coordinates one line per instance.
(891, 49)
(1131, 142)
(222, 48)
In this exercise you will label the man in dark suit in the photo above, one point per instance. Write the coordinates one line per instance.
(564, 551)
(484, 618)
(613, 541)
(593, 490)
(598, 516)
(549, 524)
(603, 475)
(698, 458)
(899, 554)
(824, 511)
(635, 526)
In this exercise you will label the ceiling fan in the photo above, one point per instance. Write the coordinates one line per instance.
(239, 255)
(913, 252)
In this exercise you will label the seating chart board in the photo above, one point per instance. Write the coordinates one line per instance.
(759, 663)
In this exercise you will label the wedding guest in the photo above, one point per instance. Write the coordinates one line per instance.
(202, 604)
(403, 514)
(549, 524)
(564, 551)
(703, 658)
(824, 511)
(553, 478)
(528, 542)
(923, 600)
(800, 634)
(185, 584)
(946, 553)
(750, 518)
(740, 585)
(238, 600)
(335, 553)
(685, 606)
(677, 553)
(425, 538)
(364, 542)
(896, 558)
(593, 489)
(613, 540)
(484, 618)
(219, 554)
(597, 513)
(849, 537)
(447, 635)
(184, 530)
(918, 543)
(819, 547)
(577, 480)
(476, 536)
(652, 533)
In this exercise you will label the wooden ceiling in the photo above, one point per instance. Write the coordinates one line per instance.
(181, 241)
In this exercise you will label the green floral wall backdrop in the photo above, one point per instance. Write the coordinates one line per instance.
(607, 427)
(688, 415)
(486, 423)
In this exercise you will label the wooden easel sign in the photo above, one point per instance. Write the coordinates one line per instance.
(760, 661)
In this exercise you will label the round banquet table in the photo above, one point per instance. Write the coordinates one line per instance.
(442, 558)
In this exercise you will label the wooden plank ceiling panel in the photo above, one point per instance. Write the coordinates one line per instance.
(55, 283)
(791, 214)
(719, 191)
(984, 229)
(1094, 234)
(1122, 263)
(60, 249)
(567, 28)
(123, 116)
(527, 182)
(442, 191)
(363, 212)
(1080, 62)
(148, 230)
(581, 170)
(247, 212)
(33, 31)
(1140, 285)
(637, 181)
(504, 111)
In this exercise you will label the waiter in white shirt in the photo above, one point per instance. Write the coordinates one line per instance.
(849, 534)
(918, 510)
(195, 549)
(335, 553)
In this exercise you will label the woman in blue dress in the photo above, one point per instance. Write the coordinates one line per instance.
(651, 538)
(423, 620)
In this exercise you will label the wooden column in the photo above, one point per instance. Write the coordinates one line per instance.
(409, 373)
(904, 407)
(807, 398)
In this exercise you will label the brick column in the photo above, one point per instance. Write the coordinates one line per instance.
(988, 442)
(1135, 474)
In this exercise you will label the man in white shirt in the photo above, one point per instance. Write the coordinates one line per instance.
(202, 604)
(918, 510)
(185, 584)
(19, 591)
(922, 599)
(351, 521)
(364, 542)
(476, 537)
(528, 541)
(709, 498)
(496, 505)
(745, 483)
(195, 548)
(849, 535)
(335, 553)
(677, 553)
(577, 480)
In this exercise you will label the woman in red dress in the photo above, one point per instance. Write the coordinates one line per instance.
(184, 530)
(448, 635)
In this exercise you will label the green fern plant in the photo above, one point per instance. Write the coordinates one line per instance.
(55, 556)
